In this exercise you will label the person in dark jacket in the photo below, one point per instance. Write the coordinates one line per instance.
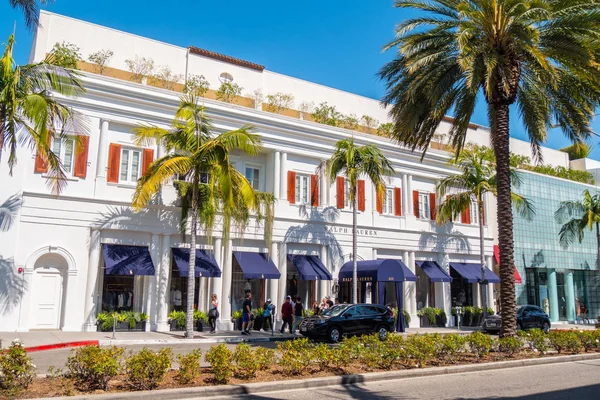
(298, 314)
(287, 314)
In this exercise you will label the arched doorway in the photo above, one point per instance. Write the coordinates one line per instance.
(47, 292)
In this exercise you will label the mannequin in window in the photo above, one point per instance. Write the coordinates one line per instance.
(461, 298)
(247, 287)
(293, 286)
(176, 297)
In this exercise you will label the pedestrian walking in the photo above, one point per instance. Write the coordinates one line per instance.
(213, 313)
(267, 316)
(287, 314)
(316, 308)
(298, 314)
(247, 314)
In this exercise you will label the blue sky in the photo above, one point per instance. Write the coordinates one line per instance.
(333, 42)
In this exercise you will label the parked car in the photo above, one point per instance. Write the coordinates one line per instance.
(528, 317)
(349, 319)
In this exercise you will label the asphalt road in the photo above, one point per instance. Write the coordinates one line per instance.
(575, 380)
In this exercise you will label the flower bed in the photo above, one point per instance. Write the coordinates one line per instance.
(99, 370)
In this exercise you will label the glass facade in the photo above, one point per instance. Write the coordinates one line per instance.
(554, 278)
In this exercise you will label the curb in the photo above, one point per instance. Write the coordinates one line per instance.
(228, 340)
(63, 345)
(265, 387)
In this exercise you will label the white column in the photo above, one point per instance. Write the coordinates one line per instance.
(282, 278)
(283, 177)
(216, 284)
(277, 174)
(71, 321)
(490, 286)
(413, 288)
(324, 189)
(26, 299)
(274, 283)
(324, 286)
(91, 290)
(102, 160)
(151, 286)
(164, 273)
(202, 294)
(405, 196)
(226, 288)
(409, 195)
(407, 290)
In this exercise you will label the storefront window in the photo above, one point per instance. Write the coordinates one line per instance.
(178, 292)
(240, 286)
(461, 290)
(295, 286)
(423, 289)
(118, 293)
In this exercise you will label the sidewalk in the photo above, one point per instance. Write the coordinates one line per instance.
(48, 340)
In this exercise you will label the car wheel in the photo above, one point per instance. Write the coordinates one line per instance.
(546, 327)
(334, 334)
(382, 332)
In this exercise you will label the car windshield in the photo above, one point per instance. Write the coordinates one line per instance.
(335, 310)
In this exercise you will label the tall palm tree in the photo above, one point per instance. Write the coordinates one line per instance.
(354, 162)
(578, 216)
(540, 57)
(192, 150)
(477, 178)
(27, 104)
(31, 11)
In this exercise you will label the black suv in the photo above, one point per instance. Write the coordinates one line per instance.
(349, 319)
(528, 317)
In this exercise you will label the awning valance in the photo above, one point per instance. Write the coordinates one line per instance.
(206, 266)
(256, 265)
(378, 271)
(127, 260)
(310, 268)
(472, 272)
(434, 271)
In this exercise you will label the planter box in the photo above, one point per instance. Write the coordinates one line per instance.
(175, 328)
(199, 326)
(237, 324)
(139, 327)
(424, 319)
(258, 323)
(440, 320)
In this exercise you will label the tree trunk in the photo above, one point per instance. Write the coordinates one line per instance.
(598, 245)
(500, 142)
(482, 287)
(354, 250)
(191, 287)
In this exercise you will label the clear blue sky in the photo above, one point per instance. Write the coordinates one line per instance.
(332, 42)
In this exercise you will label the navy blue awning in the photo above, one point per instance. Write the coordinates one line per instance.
(378, 271)
(127, 260)
(206, 266)
(256, 265)
(310, 268)
(434, 271)
(471, 272)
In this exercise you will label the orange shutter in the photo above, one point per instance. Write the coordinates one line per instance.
(339, 190)
(314, 190)
(378, 201)
(361, 195)
(114, 161)
(397, 201)
(416, 203)
(291, 189)
(41, 165)
(465, 215)
(432, 206)
(147, 158)
(81, 157)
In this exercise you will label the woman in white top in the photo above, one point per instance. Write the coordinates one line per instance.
(213, 313)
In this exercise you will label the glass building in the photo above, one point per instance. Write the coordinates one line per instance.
(555, 278)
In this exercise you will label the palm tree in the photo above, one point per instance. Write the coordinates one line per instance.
(193, 150)
(354, 162)
(31, 11)
(477, 178)
(27, 104)
(577, 217)
(540, 57)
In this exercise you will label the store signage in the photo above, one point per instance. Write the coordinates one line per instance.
(359, 232)
(360, 279)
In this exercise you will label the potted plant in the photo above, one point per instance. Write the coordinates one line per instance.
(200, 319)
(440, 317)
(477, 315)
(135, 321)
(427, 316)
(258, 318)
(406, 317)
(236, 318)
(177, 320)
(467, 316)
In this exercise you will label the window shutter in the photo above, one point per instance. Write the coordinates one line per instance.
(147, 158)
(114, 161)
(41, 165)
(378, 201)
(397, 201)
(81, 157)
(465, 215)
(432, 206)
(416, 203)
(361, 195)
(314, 190)
(291, 189)
(339, 191)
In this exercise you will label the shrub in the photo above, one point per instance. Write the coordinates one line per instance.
(326, 114)
(246, 364)
(220, 358)
(196, 85)
(374, 352)
(64, 55)
(265, 358)
(395, 352)
(189, 366)
(179, 317)
(323, 356)
(201, 316)
(296, 356)
(228, 92)
(565, 341)
(16, 370)
(92, 367)
(450, 346)
(277, 102)
(353, 347)
(421, 348)
(340, 359)
(146, 369)
(479, 343)
(510, 345)
(140, 68)
(590, 340)
(537, 340)
(101, 58)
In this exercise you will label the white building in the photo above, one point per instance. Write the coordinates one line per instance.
(55, 271)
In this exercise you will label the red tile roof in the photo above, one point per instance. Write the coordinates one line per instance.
(224, 58)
